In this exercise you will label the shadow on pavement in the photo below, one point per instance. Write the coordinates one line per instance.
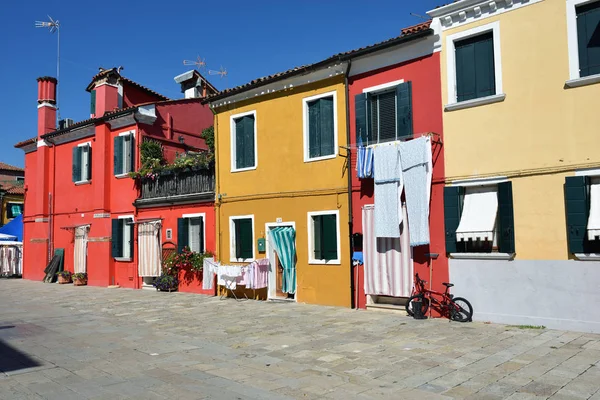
(12, 359)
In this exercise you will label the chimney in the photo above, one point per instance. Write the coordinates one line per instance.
(104, 91)
(192, 84)
(46, 105)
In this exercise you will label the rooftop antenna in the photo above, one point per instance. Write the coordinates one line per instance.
(222, 71)
(199, 63)
(419, 16)
(53, 26)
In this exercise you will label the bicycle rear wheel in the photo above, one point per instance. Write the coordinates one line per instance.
(461, 310)
(424, 307)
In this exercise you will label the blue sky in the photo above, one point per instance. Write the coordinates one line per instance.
(150, 39)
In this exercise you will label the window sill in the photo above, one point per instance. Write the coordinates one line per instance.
(123, 259)
(243, 169)
(83, 182)
(588, 257)
(323, 262)
(587, 80)
(329, 157)
(475, 102)
(483, 256)
(122, 176)
(238, 260)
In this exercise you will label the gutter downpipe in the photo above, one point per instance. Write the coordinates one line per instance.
(51, 202)
(217, 193)
(349, 160)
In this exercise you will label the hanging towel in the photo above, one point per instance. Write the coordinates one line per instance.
(415, 156)
(258, 274)
(364, 162)
(388, 188)
(209, 269)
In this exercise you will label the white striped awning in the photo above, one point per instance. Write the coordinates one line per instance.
(593, 225)
(478, 218)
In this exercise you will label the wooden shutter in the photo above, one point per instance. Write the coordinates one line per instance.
(329, 237)
(577, 204)
(453, 196)
(118, 155)
(182, 234)
(360, 108)
(117, 238)
(132, 152)
(386, 116)
(131, 231)
(249, 141)
(318, 236)
(485, 76)
(506, 219)
(202, 249)
(89, 162)
(239, 143)
(327, 147)
(243, 238)
(93, 102)
(588, 37)
(404, 114)
(475, 74)
(314, 129)
(76, 173)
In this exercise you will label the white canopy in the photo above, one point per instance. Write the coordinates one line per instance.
(478, 219)
(7, 237)
(593, 225)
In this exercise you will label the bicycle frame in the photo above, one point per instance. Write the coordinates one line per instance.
(441, 305)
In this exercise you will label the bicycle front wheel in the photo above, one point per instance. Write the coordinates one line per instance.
(461, 310)
(424, 304)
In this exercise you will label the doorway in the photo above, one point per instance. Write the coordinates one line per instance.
(276, 289)
(80, 249)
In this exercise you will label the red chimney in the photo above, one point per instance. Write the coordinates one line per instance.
(46, 105)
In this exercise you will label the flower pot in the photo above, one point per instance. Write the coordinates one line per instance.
(79, 282)
(62, 280)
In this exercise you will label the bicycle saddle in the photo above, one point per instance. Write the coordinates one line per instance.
(448, 284)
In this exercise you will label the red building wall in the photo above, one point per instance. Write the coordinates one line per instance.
(424, 73)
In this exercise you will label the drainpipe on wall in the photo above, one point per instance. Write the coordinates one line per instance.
(349, 159)
(51, 202)
(217, 188)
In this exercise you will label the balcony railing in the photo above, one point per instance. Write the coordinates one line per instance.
(183, 186)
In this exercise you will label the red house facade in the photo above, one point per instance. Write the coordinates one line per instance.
(411, 66)
(78, 193)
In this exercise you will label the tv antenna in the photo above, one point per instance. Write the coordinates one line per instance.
(419, 16)
(222, 71)
(53, 26)
(199, 63)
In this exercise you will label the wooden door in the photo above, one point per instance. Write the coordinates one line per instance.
(279, 278)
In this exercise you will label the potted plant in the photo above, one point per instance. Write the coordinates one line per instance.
(64, 277)
(166, 283)
(80, 279)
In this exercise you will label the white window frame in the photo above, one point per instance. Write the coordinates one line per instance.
(311, 237)
(592, 173)
(87, 178)
(575, 78)
(232, 238)
(197, 215)
(453, 104)
(383, 87)
(233, 141)
(134, 153)
(306, 126)
(130, 258)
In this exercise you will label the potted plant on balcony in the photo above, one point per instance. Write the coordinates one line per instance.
(64, 277)
(80, 279)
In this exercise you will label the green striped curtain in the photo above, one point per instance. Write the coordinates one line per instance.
(284, 242)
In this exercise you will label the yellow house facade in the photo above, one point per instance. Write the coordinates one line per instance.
(520, 87)
(280, 165)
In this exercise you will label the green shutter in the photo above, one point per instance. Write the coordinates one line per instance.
(485, 77)
(475, 74)
(89, 165)
(243, 238)
(329, 237)
(452, 211)
(249, 140)
(404, 117)
(360, 108)
(318, 236)
(201, 227)
(76, 173)
(577, 205)
(133, 152)
(465, 71)
(506, 218)
(183, 234)
(93, 102)
(118, 155)
(588, 37)
(117, 237)
(326, 137)
(314, 127)
(239, 143)
(131, 232)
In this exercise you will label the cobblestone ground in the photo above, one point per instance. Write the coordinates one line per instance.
(64, 342)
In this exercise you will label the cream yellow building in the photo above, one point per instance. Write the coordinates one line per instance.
(520, 86)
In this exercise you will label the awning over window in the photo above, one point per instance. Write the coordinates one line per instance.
(478, 219)
(593, 225)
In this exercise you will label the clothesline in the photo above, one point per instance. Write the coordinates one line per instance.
(430, 134)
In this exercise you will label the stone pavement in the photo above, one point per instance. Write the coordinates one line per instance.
(64, 342)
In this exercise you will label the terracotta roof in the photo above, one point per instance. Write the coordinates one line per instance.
(129, 81)
(14, 189)
(26, 142)
(406, 34)
(8, 167)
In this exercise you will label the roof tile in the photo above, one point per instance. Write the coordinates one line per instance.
(8, 167)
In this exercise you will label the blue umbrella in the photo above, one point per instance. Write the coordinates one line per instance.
(14, 228)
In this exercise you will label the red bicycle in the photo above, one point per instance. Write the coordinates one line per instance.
(455, 308)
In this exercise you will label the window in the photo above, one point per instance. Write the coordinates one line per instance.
(20, 179)
(384, 114)
(124, 154)
(320, 127)
(13, 210)
(82, 163)
(242, 238)
(474, 67)
(323, 233)
(582, 202)
(243, 142)
(190, 233)
(122, 237)
(479, 219)
(588, 38)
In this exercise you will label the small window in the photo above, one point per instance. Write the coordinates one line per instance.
(124, 154)
(13, 210)
(20, 179)
(243, 142)
(320, 127)
(242, 239)
(582, 202)
(82, 163)
(122, 238)
(475, 74)
(323, 243)
(190, 233)
(588, 38)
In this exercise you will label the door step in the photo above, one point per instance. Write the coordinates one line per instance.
(275, 300)
(387, 307)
